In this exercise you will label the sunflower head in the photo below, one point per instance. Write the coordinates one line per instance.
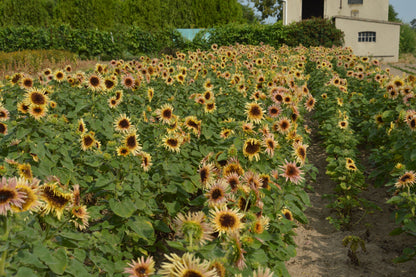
(56, 199)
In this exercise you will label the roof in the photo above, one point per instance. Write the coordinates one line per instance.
(367, 20)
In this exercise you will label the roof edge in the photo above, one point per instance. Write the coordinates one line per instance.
(367, 20)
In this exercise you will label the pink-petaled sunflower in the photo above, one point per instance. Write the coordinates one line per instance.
(141, 268)
(291, 172)
(217, 193)
(206, 173)
(270, 144)
(310, 103)
(10, 195)
(4, 113)
(282, 126)
(274, 110)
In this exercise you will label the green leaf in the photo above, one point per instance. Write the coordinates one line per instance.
(24, 272)
(143, 227)
(57, 262)
(77, 269)
(176, 245)
(124, 208)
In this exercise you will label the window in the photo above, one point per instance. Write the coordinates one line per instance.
(367, 37)
(355, 1)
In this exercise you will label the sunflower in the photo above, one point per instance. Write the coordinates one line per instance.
(87, 141)
(3, 128)
(219, 268)
(406, 180)
(165, 113)
(254, 112)
(56, 200)
(95, 82)
(233, 180)
(172, 143)
(122, 124)
(270, 144)
(186, 266)
(300, 152)
(208, 95)
(282, 126)
(412, 123)
(251, 149)
(119, 95)
(261, 224)
(123, 151)
(31, 190)
(210, 107)
(128, 82)
(146, 161)
(131, 142)
(217, 194)
(193, 227)
(27, 82)
(343, 124)
(351, 166)
(226, 220)
(379, 120)
(59, 76)
(274, 110)
(263, 272)
(277, 97)
(81, 128)
(150, 94)
(310, 103)
(80, 216)
(287, 214)
(109, 83)
(291, 172)
(25, 171)
(226, 133)
(37, 111)
(193, 124)
(247, 127)
(208, 85)
(113, 102)
(206, 173)
(10, 196)
(233, 166)
(141, 268)
(4, 113)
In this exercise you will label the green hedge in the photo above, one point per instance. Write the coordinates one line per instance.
(134, 41)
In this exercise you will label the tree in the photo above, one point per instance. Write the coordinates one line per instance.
(269, 8)
(393, 15)
(249, 15)
(413, 23)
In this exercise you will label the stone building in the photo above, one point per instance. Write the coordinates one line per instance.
(364, 23)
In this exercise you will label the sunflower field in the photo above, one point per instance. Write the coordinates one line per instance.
(193, 164)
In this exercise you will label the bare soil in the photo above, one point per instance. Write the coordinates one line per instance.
(320, 252)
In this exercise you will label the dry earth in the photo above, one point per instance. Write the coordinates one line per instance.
(320, 252)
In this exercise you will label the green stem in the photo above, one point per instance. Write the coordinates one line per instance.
(47, 237)
(4, 237)
(3, 263)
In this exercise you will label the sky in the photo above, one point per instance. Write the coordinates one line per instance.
(405, 8)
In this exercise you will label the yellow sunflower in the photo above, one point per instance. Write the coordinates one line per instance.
(251, 148)
(226, 221)
(254, 112)
(56, 200)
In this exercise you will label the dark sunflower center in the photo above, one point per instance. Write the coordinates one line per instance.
(270, 144)
(216, 194)
(310, 102)
(284, 125)
(6, 195)
(128, 82)
(288, 215)
(38, 98)
(207, 95)
(94, 81)
(2, 128)
(278, 98)
(287, 99)
(192, 124)
(81, 128)
(124, 124)
(210, 106)
(301, 152)
(167, 113)
(274, 111)
(172, 142)
(405, 178)
(192, 273)
(113, 102)
(131, 141)
(379, 119)
(88, 141)
(145, 161)
(252, 148)
(413, 123)
(27, 83)
(109, 83)
(16, 79)
(59, 75)
(227, 220)
(343, 124)
(56, 200)
(140, 271)
(291, 171)
(255, 111)
(124, 151)
(37, 110)
(203, 174)
(2, 114)
(233, 183)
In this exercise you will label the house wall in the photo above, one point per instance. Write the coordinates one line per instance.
(370, 9)
(386, 46)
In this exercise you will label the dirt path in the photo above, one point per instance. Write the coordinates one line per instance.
(320, 252)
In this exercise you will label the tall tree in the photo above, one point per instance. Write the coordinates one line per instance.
(269, 8)
(393, 15)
